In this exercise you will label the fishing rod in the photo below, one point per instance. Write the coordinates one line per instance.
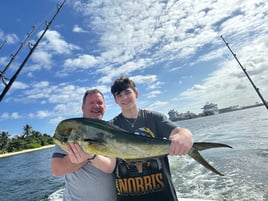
(245, 71)
(32, 48)
(13, 56)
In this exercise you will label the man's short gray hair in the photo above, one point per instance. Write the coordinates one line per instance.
(91, 91)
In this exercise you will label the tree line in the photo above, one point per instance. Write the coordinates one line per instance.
(29, 139)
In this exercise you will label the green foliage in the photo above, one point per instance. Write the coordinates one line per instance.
(3, 141)
(29, 139)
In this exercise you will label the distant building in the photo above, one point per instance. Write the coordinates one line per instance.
(208, 109)
(229, 109)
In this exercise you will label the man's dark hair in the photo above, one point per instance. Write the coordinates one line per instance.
(121, 84)
(91, 91)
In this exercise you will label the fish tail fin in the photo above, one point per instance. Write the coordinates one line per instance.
(208, 145)
(199, 146)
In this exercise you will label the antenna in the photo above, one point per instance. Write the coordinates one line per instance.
(245, 71)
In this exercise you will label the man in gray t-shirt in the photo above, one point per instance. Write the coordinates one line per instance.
(87, 177)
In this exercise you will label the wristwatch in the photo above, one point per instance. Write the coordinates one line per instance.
(92, 158)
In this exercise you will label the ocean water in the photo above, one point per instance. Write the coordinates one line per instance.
(28, 176)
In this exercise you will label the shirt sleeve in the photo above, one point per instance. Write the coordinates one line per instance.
(160, 123)
(166, 126)
(58, 152)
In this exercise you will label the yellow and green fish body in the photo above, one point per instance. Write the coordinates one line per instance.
(99, 137)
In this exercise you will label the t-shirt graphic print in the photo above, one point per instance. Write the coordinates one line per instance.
(135, 178)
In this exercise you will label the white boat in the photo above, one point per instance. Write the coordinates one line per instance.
(210, 109)
(176, 116)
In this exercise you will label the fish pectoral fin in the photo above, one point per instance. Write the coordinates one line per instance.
(197, 156)
(208, 145)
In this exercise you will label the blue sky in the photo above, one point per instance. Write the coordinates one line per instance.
(171, 49)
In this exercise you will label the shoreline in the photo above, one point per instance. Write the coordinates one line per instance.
(25, 151)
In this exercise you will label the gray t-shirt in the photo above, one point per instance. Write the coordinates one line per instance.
(88, 183)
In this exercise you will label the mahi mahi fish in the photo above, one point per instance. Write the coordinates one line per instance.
(100, 137)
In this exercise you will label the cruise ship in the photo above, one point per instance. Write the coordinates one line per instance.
(210, 109)
(174, 115)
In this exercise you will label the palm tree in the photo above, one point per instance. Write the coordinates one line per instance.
(27, 129)
(4, 139)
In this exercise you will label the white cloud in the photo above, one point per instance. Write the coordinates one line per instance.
(172, 47)
(153, 94)
(158, 104)
(7, 39)
(42, 114)
(13, 115)
(142, 79)
(55, 42)
(43, 58)
(82, 61)
(19, 85)
(78, 29)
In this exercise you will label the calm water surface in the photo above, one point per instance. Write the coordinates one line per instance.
(28, 176)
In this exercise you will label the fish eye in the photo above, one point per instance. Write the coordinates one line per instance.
(65, 139)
